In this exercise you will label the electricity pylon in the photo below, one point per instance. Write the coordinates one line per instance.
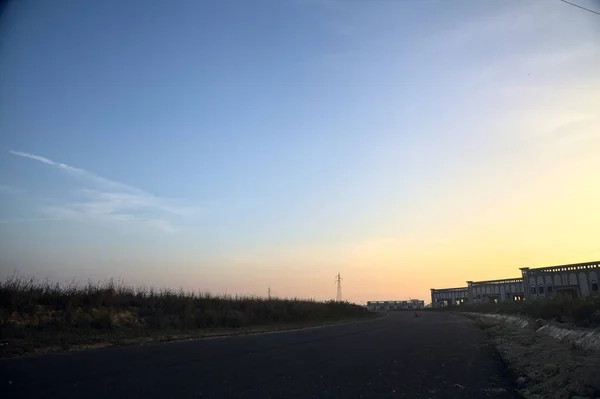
(338, 281)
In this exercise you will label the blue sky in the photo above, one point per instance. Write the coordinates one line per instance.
(230, 146)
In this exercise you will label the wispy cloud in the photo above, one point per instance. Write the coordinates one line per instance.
(81, 173)
(577, 130)
(502, 19)
(7, 189)
(29, 220)
(36, 157)
(106, 200)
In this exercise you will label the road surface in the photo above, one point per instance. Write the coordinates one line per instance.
(438, 355)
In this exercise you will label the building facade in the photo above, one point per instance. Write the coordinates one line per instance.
(378, 306)
(476, 292)
(449, 296)
(575, 280)
(496, 291)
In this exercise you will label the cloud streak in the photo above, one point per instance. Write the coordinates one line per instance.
(28, 220)
(81, 173)
(7, 189)
(108, 201)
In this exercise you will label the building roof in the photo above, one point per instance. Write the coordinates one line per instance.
(576, 266)
(500, 281)
(450, 289)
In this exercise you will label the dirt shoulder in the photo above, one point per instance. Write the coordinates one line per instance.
(542, 366)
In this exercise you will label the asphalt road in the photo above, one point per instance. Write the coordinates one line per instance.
(437, 355)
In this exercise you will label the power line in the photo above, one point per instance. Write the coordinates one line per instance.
(578, 6)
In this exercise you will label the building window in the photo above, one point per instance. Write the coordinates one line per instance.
(595, 286)
(533, 289)
(541, 290)
(549, 289)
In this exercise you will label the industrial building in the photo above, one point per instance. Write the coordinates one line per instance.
(496, 291)
(449, 296)
(575, 280)
(395, 305)
(510, 289)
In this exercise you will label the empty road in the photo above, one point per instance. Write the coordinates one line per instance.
(438, 355)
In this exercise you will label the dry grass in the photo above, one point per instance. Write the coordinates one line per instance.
(545, 367)
(38, 315)
(582, 312)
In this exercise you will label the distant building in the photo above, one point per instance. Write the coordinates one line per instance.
(449, 296)
(395, 305)
(575, 280)
(496, 291)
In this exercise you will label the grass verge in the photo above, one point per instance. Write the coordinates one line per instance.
(39, 317)
(582, 312)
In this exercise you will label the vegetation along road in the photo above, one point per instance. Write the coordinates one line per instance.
(438, 355)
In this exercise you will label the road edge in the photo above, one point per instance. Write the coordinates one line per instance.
(186, 337)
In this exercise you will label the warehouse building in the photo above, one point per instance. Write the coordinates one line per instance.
(375, 306)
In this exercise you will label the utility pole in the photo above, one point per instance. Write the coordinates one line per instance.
(338, 281)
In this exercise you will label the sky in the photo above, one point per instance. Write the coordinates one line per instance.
(235, 146)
